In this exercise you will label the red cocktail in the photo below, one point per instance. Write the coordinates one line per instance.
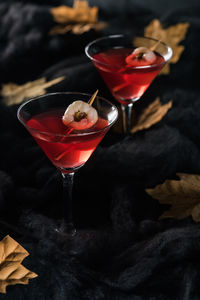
(66, 148)
(128, 65)
(125, 80)
(68, 129)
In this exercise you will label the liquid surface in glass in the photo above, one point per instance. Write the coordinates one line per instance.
(73, 148)
(126, 81)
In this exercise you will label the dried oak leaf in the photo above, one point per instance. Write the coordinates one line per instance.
(183, 195)
(14, 94)
(172, 36)
(78, 19)
(11, 270)
(151, 115)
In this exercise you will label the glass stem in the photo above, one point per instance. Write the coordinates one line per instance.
(67, 225)
(126, 117)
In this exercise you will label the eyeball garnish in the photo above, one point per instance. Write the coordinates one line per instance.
(141, 56)
(80, 115)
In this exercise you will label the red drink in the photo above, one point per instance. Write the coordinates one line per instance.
(126, 81)
(65, 149)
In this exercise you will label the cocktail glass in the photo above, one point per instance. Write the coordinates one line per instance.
(68, 150)
(127, 83)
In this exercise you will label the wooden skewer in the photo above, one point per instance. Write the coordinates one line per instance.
(93, 98)
(68, 131)
(155, 45)
(60, 156)
(120, 86)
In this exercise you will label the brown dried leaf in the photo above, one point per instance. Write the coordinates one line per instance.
(11, 270)
(183, 195)
(151, 115)
(78, 19)
(77, 28)
(14, 94)
(79, 13)
(172, 36)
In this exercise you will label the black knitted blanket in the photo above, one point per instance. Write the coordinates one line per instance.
(122, 250)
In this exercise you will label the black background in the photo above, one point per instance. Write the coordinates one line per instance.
(121, 250)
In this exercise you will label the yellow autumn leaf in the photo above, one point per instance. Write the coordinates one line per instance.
(172, 36)
(11, 270)
(77, 28)
(182, 195)
(81, 12)
(78, 19)
(13, 93)
(151, 115)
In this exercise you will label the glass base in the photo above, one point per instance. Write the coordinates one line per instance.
(70, 170)
(124, 101)
(66, 229)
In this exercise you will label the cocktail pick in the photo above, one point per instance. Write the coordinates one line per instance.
(120, 86)
(93, 98)
(153, 48)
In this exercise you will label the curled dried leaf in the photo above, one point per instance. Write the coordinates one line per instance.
(11, 270)
(14, 94)
(183, 195)
(151, 115)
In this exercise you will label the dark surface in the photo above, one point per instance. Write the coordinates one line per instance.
(121, 250)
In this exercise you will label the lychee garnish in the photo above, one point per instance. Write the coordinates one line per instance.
(141, 56)
(80, 115)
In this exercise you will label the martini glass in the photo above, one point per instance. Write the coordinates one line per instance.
(67, 149)
(127, 82)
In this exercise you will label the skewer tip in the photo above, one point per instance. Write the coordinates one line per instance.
(93, 98)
